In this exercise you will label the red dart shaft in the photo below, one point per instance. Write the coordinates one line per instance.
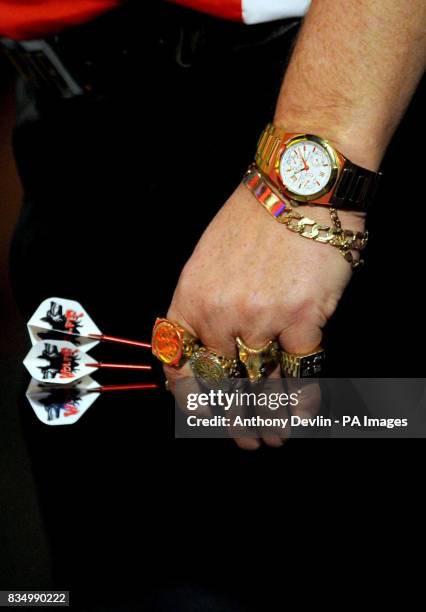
(125, 387)
(105, 338)
(121, 366)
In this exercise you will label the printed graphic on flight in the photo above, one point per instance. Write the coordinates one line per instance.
(62, 405)
(63, 319)
(58, 362)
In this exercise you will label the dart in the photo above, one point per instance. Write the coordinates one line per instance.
(62, 362)
(62, 319)
(66, 404)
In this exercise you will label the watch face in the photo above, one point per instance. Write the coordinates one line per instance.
(305, 168)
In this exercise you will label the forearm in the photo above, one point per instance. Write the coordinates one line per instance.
(353, 71)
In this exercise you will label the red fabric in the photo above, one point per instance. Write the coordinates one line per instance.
(26, 19)
(231, 9)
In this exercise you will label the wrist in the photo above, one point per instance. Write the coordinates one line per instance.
(360, 144)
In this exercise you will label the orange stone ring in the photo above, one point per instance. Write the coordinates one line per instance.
(171, 343)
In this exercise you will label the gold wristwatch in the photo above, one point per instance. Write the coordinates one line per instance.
(307, 168)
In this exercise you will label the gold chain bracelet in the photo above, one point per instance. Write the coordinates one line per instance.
(281, 209)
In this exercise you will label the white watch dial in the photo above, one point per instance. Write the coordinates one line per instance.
(305, 168)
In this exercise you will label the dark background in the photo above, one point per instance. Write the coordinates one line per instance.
(23, 546)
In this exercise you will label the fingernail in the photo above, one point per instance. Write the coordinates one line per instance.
(247, 443)
(274, 441)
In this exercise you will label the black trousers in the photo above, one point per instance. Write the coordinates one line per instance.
(117, 191)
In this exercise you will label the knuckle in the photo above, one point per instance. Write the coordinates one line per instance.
(330, 305)
(209, 305)
(309, 311)
(301, 309)
(310, 308)
(253, 305)
(215, 306)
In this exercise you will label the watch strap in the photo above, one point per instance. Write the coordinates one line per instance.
(267, 147)
(355, 188)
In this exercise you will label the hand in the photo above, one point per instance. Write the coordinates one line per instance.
(250, 276)
(305, 162)
(301, 170)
